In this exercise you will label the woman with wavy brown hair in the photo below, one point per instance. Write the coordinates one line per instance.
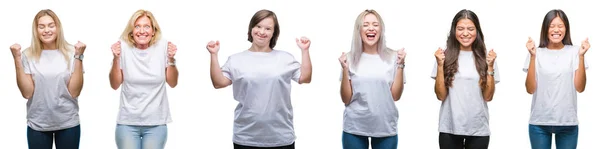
(465, 76)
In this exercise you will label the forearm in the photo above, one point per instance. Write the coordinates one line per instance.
(76, 80)
(305, 68)
(580, 76)
(530, 81)
(440, 87)
(24, 81)
(116, 75)
(488, 92)
(216, 74)
(172, 75)
(346, 88)
(398, 85)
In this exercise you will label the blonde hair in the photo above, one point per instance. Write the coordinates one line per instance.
(127, 34)
(357, 44)
(35, 49)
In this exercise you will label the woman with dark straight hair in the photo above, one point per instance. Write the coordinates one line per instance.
(465, 78)
(555, 73)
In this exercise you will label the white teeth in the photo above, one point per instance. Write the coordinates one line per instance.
(555, 36)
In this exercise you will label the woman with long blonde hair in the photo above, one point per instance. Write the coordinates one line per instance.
(144, 64)
(50, 77)
(372, 80)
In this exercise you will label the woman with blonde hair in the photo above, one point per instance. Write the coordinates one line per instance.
(50, 77)
(372, 80)
(143, 63)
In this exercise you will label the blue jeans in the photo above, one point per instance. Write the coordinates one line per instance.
(352, 141)
(65, 139)
(141, 137)
(541, 136)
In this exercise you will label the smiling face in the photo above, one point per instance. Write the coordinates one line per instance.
(370, 30)
(263, 32)
(143, 31)
(556, 31)
(46, 29)
(466, 32)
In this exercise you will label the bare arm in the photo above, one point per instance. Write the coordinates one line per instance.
(216, 74)
(488, 92)
(346, 88)
(398, 85)
(580, 77)
(172, 74)
(440, 86)
(76, 81)
(116, 74)
(531, 82)
(24, 81)
(305, 68)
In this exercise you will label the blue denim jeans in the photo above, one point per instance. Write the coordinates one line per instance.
(64, 139)
(541, 136)
(141, 137)
(352, 141)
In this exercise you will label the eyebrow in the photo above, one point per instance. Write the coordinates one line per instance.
(45, 24)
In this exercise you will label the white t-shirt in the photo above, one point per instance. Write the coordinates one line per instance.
(51, 107)
(555, 98)
(465, 112)
(372, 111)
(262, 85)
(144, 99)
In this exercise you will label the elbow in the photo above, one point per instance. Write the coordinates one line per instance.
(172, 84)
(27, 96)
(441, 97)
(488, 99)
(580, 90)
(530, 90)
(217, 86)
(305, 80)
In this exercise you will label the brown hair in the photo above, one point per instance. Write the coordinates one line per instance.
(259, 16)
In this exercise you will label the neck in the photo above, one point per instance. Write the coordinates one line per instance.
(50, 46)
(463, 48)
(258, 48)
(142, 46)
(556, 46)
(370, 49)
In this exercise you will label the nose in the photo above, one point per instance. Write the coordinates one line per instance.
(465, 34)
(261, 31)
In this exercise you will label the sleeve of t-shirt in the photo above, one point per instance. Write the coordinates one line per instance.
(226, 69)
(576, 59)
(296, 66)
(434, 71)
(496, 72)
(25, 63)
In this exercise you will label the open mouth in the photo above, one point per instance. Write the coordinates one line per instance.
(371, 36)
(555, 35)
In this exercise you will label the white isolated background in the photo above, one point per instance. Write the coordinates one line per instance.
(203, 116)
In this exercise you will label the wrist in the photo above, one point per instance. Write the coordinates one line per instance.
(581, 56)
(171, 60)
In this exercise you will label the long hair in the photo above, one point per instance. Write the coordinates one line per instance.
(127, 34)
(259, 16)
(357, 43)
(546, 26)
(453, 50)
(35, 49)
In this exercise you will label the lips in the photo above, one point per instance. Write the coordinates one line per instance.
(555, 35)
(371, 36)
